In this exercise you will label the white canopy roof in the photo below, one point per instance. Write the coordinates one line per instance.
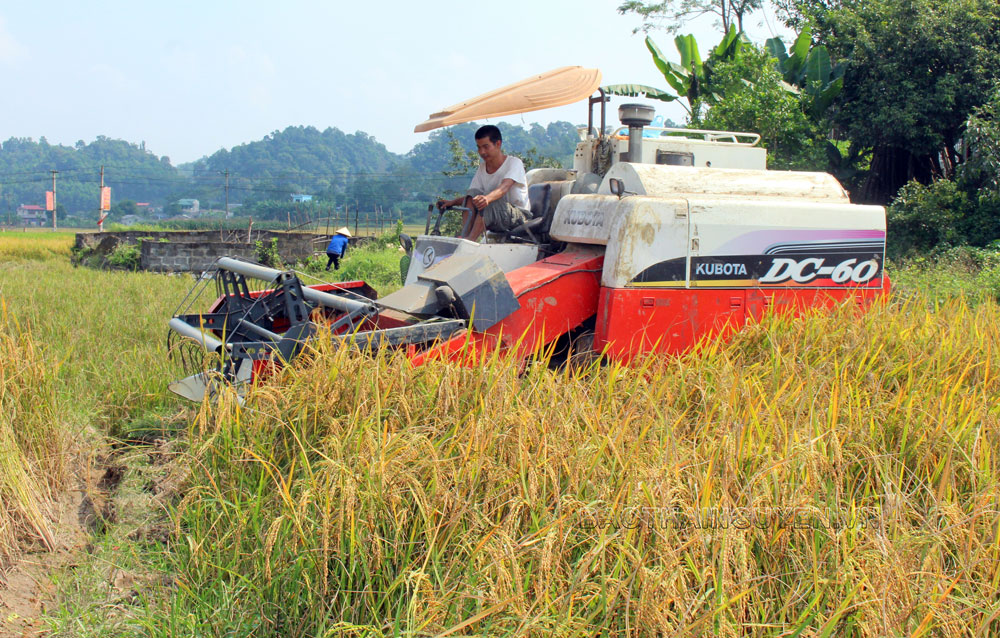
(557, 87)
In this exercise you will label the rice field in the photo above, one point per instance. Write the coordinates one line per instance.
(32, 445)
(830, 476)
(81, 355)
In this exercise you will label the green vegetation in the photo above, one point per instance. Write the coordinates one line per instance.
(691, 78)
(267, 254)
(963, 210)
(125, 257)
(915, 72)
(376, 263)
(25, 166)
(967, 272)
(337, 169)
(754, 98)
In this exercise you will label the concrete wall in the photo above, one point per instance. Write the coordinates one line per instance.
(296, 243)
(189, 257)
(195, 251)
(163, 251)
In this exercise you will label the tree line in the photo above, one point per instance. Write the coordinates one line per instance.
(335, 168)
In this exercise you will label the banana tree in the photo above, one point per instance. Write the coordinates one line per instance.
(809, 70)
(691, 78)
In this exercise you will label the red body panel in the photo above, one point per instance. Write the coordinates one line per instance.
(631, 321)
(556, 294)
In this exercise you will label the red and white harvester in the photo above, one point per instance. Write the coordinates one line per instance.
(656, 239)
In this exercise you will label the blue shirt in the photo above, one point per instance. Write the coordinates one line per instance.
(337, 245)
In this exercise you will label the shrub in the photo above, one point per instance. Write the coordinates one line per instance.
(124, 257)
(267, 254)
(922, 217)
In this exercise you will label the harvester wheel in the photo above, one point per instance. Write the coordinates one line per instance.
(581, 353)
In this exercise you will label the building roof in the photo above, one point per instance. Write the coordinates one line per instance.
(30, 207)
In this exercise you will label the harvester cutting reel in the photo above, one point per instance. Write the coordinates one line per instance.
(248, 326)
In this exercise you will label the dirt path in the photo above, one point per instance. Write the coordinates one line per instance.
(27, 591)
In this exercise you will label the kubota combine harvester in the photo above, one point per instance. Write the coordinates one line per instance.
(656, 239)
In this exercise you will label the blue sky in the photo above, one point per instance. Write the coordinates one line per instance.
(189, 78)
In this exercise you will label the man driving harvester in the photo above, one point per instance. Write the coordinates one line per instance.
(498, 195)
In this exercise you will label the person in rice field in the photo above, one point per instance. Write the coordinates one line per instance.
(337, 247)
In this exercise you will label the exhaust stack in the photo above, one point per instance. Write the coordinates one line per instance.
(635, 117)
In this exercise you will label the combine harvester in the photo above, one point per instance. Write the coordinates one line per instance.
(657, 239)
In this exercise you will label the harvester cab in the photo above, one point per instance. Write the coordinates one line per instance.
(656, 239)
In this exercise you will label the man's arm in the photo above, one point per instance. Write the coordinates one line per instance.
(482, 201)
(445, 203)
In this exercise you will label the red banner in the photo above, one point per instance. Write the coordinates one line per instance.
(49, 201)
(106, 198)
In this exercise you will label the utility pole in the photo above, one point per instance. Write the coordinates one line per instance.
(100, 205)
(356, 213)
(227, 192)
(54, 206)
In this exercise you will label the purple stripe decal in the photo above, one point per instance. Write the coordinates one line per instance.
(759, 240)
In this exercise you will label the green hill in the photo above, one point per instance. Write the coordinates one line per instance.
(336, 168)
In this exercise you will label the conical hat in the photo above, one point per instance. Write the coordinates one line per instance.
(343, 231)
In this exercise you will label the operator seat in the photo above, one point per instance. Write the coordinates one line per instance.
(539, 200)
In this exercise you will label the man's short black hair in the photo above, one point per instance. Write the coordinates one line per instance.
(489, 131)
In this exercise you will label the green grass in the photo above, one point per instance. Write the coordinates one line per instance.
(377, 264)
(967, 272)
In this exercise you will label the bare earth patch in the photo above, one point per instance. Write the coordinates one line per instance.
(27, 589)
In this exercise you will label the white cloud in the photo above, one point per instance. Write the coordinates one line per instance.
(11, 50)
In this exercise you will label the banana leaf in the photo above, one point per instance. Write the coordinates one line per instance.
(687, 46)
(674, 76)
(818, 66)
(796, 62)
(777, 50)
(639, 90)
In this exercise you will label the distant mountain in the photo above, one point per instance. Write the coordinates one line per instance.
(330, 165)
(132, 172)
(299, 159)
